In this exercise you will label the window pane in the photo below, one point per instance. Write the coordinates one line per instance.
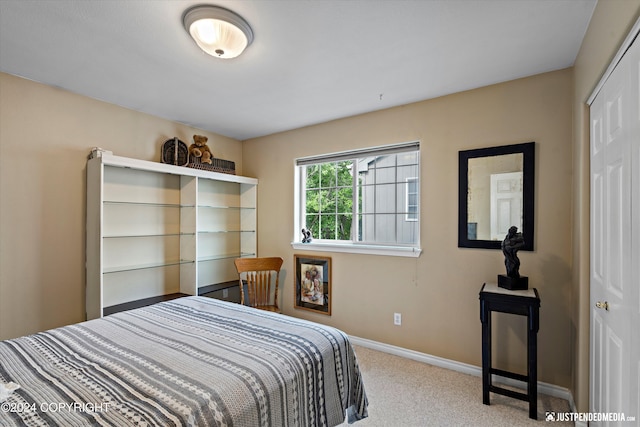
(327, 227)
(328, 175)
(328, 198)
(385, 229)
(385, 198)
(407, 230)
(405, 172)
(367, 227)
(385, 175)
(313, 224)
(366, 176)
(345, 200)
(378, 228)
(344, 173)
(344, 226)
(367, 198)
(407, 158)
(381, 162)
(313, 201)
(313, 176)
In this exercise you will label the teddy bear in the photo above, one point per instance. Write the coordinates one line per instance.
(200, 149)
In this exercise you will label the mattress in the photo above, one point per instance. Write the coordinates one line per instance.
(193, 361)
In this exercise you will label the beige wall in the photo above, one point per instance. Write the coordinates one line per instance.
(611, 22)
(437, 293)
(45, 137)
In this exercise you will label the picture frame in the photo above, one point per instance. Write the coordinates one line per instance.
(312, 283)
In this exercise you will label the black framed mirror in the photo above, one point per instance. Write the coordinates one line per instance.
(495, 192)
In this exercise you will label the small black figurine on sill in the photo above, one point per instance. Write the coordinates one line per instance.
(511, 244)
(306, 236)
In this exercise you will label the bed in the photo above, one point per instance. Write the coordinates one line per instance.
(193, 361)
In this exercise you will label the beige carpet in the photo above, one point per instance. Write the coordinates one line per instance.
(403, 392)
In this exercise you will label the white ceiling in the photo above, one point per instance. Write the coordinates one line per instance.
(310, 62)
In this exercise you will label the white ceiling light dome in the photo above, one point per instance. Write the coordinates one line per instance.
(218, 31)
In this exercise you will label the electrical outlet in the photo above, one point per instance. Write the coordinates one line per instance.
(397, 319)
(225, 293)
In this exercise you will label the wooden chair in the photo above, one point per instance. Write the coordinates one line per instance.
(257, 275)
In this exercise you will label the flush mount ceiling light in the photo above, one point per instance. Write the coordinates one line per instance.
(218, 31)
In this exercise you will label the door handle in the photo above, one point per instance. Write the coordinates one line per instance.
(604, 305)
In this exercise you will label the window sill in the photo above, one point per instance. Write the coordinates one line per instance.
(359, 249)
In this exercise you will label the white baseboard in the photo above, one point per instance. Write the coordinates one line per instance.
(543, 388)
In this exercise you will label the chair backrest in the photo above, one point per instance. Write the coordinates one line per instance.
(258, 275)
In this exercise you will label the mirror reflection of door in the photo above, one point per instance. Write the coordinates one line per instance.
(493, 207)
(506, 203)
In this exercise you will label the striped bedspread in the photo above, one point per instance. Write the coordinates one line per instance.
(193, 361)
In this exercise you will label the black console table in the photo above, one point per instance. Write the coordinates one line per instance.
(524, 303)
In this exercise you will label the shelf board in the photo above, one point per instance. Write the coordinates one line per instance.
(205, 289)
(225, 256)
(125, 236)
(145, 165)
(123, 268)
(225, 231)
(174, 205)
(147, 204)
(140, 303)
(239, 208)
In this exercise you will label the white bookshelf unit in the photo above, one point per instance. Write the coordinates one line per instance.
(156, 231)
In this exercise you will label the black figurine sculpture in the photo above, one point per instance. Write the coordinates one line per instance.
(306, 236)
(511, 244)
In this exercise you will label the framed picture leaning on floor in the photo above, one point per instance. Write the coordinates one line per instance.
(312, 283)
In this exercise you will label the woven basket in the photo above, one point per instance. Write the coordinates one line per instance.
(175, 152)
(217, 165)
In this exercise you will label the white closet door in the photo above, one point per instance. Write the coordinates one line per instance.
(614, 242)
(633, 293)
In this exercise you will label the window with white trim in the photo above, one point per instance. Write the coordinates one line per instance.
(362, 198)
